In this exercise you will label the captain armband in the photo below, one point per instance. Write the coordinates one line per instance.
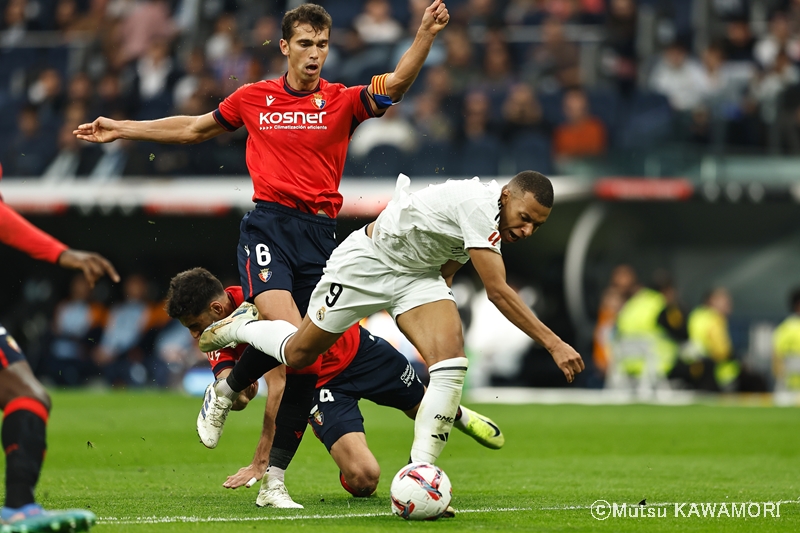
(378, 88)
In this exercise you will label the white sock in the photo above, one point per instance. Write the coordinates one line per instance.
(223, 389)
(461, 423)
(273, 472)
(269, 336)
(437, 409)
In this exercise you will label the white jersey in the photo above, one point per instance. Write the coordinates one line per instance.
(421, 231)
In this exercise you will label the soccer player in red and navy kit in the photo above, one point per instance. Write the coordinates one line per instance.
(359, 365)
(299, 127)
(23, 400)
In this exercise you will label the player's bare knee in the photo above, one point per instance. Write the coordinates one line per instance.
(44, 397)
(38, 393)
(365, 480)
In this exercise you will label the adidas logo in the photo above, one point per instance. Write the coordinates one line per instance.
(441, 436)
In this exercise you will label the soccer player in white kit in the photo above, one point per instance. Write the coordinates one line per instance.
(404, 262)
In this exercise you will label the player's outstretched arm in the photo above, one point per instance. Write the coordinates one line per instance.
(170, 130)
(94, 266)
(397, 83)
(492, 271)
(17, 232)
(248, 475)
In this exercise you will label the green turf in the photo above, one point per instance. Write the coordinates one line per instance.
(145, 460)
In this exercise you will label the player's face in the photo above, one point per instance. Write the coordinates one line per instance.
(197, 324)
(307, 51)
(520, 216)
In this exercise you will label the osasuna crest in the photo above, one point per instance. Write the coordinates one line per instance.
(13, 344)
(264, 275)
(318, 100)
(317, 414)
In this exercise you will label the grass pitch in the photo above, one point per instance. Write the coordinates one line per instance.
(134, 459)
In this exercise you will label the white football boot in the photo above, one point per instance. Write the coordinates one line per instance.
(273, 493)
(222, 333)
(212, 416)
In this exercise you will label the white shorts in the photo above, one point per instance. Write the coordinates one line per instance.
(356, 284)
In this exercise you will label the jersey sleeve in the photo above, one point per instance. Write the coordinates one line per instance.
(229, 113)
(18, 233)
(478, 225)
(359, 99)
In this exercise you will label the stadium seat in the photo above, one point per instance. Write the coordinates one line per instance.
(552, 109)
(646, 120)
(434, 158)
(342, 11)
(479, 157)
(531, 151)
(605, 105)
(386, 161)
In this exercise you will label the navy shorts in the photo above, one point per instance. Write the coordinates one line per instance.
(378, 373)
(283, 248)
(10, 351)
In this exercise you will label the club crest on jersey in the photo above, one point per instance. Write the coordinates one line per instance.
(318, 100)
(321, 313)
(13, 344)
(264, 275)
(318, 416)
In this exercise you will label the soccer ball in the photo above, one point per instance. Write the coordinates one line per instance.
(420, 491)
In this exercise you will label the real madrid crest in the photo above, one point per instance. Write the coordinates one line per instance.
(321, 313)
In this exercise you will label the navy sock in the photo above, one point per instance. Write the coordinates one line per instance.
(251, 365)
(292, 418)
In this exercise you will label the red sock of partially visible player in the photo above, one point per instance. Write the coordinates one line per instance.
(23, 436)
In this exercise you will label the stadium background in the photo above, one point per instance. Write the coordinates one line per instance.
(671, 128)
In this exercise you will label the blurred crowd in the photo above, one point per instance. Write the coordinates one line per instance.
(123, 337)
(129, 342)
(511, 84)
(644, 332)
(645, 338)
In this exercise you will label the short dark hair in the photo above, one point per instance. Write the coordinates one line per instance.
(311, 14)
(191, 292)
(794, 299)
(535, 183)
